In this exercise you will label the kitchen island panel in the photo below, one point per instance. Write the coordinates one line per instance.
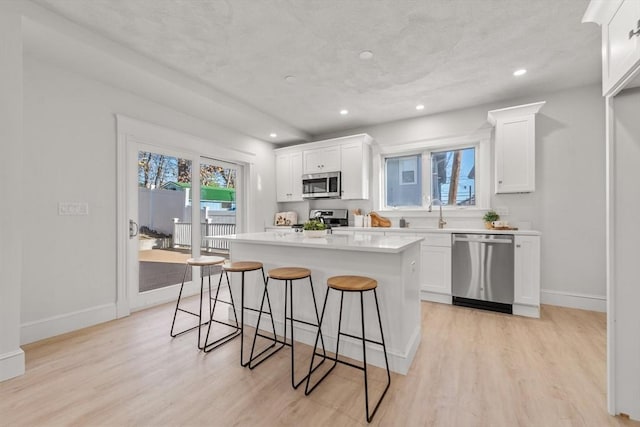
(398, 294)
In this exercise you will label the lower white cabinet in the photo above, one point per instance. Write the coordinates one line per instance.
(435, 277)
(526, 271)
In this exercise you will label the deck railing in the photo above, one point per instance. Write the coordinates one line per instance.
(182, 234)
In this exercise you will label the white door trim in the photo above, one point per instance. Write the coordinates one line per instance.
(130, 131)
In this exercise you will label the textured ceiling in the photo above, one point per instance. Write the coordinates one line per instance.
(445, 54)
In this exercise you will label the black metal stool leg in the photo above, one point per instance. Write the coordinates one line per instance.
(324, 352)
(207, 347)
(252, 358)
(364, 358)
(175, 313)
(308, 390)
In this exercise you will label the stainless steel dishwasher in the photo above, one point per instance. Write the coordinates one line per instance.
(482, 271)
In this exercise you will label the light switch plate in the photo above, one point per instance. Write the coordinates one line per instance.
(73, 208)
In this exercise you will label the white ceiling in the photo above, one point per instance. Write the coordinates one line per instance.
(445, 54)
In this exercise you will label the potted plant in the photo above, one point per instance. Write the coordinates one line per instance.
(489, 217)
(314, 228)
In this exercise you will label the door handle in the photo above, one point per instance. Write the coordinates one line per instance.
(133, 228)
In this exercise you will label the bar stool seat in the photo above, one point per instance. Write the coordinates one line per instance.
(289, 274)
(245, 267)
(352, 283)
(201, 261)
(242, 266)
(360, 284)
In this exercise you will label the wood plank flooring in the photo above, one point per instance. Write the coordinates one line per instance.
(473, 368)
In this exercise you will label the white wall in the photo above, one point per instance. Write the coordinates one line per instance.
(568, 206)
(11, 226)
(70, 143)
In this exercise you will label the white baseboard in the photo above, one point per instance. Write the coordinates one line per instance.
(11, 364)
(435, 297)
(63, 323)
(574, 300)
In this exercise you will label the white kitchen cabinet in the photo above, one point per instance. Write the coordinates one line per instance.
(620, 20)
(514, 148)
(526, 271)
(435, 277)
(324, 159)
(355, 167)
(289, 177)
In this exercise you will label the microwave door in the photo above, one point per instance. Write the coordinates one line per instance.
(315, 186)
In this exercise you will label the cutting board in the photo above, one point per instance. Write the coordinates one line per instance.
(286, 218)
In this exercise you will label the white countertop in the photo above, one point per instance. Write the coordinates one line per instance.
(443, 230)
(360, 242)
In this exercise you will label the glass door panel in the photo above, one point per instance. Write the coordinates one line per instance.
(164, 219)
(218, 199)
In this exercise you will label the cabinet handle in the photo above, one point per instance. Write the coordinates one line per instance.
(635, 32)
(499, 182)
(517, 246)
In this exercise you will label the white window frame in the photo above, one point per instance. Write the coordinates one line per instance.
(480, 140)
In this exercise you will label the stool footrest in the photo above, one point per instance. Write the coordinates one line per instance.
(189, 329)
(360, 338)
(301, 321)
(220, 341)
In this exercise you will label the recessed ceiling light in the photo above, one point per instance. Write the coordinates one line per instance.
(419, 107)
(273, 135)
(290, 79)
(344, 112)
(366, 54)
(520, 72)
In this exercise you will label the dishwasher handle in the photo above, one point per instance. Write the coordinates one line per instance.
(507, 241)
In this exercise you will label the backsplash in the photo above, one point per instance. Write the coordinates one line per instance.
(455, 219)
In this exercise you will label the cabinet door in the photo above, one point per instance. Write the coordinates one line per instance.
(296, 177)
(322, 160)
(515, 155)
(527, 270)
(283, 177)
(623, 52)
(355, 171)
(435, 275)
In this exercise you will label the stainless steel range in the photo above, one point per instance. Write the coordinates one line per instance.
(332, 217)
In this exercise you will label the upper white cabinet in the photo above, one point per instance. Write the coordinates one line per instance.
(620, 21)
(324, 159)
(515, 148)
(289, 176)
(355, 167)
(350, 155)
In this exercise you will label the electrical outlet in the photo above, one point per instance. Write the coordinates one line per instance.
(502, 210)
(73, 208)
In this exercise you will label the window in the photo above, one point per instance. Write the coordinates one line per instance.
(403, 188)
(441, 175)
(453, 179)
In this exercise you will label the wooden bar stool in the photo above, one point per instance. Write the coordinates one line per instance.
(289, 274)
(202, 261)
(244, 267)
(359, 284)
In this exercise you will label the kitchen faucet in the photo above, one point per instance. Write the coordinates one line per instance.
(441, 221)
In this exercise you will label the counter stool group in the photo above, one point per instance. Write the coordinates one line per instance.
(356, 285)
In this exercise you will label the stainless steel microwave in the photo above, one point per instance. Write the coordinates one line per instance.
(321, 185)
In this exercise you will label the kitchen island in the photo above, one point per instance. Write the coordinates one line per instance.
(394, 261)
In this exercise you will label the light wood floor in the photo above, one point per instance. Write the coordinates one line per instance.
(473, 368)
